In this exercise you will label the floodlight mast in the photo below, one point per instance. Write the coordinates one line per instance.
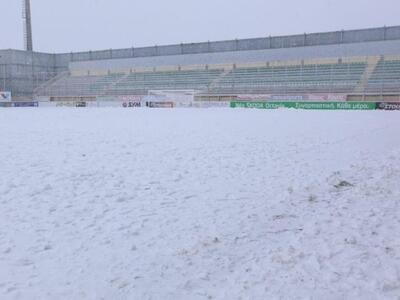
(26, 15)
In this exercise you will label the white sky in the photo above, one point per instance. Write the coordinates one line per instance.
(73, 25)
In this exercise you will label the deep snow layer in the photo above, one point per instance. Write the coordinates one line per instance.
(199, 204)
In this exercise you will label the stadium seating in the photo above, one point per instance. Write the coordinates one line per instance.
(137, 83)
(337, 78)
(385, 78)
(105, 82)
(350, 77)
(70, 86)
(128, 84)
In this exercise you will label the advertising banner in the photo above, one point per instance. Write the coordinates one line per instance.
(326, 97)
(388, 105)
(280, 98)
(292, 98)
(261, 97)
(72, 104)
(124, 98)
(111, 103)
(25, 104)
(47, 104)
(80, 104)
(132, 104)
(5, 104)
(66, 104)
(5, 96)
(307, 105)
(210, 104)
(160, 104)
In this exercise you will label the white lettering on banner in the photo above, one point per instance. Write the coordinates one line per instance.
(255, 105)
(132, 104)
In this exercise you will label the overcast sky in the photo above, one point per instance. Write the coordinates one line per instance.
(73, 25)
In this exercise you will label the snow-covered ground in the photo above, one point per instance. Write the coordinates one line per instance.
(199, 204)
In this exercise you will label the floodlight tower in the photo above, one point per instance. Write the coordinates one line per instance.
(26, 15)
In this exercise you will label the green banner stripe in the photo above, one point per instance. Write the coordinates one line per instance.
(307, 105)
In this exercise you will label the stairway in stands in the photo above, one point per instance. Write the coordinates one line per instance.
(372, 63)
(216, 81)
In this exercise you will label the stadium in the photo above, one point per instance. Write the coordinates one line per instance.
(357, 65)
(259, 168)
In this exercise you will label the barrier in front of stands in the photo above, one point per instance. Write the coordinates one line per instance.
(307, 105)
(388, 105)
(20, 104)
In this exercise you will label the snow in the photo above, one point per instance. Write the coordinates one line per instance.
(113, 203)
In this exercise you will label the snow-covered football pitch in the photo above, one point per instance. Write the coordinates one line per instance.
(115, 203)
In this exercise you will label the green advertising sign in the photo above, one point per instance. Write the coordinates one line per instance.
(307, 105)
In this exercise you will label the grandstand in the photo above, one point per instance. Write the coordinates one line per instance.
(360, 76)
(309, 78)
(360, 64)
(342, 77)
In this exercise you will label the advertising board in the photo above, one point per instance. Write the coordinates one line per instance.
(293, 98)
(307, 105)
(72, 104)
(210, 104)
(25, 104)
(388, 105)
(132, 104)
(5, 104)
(160, 104)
